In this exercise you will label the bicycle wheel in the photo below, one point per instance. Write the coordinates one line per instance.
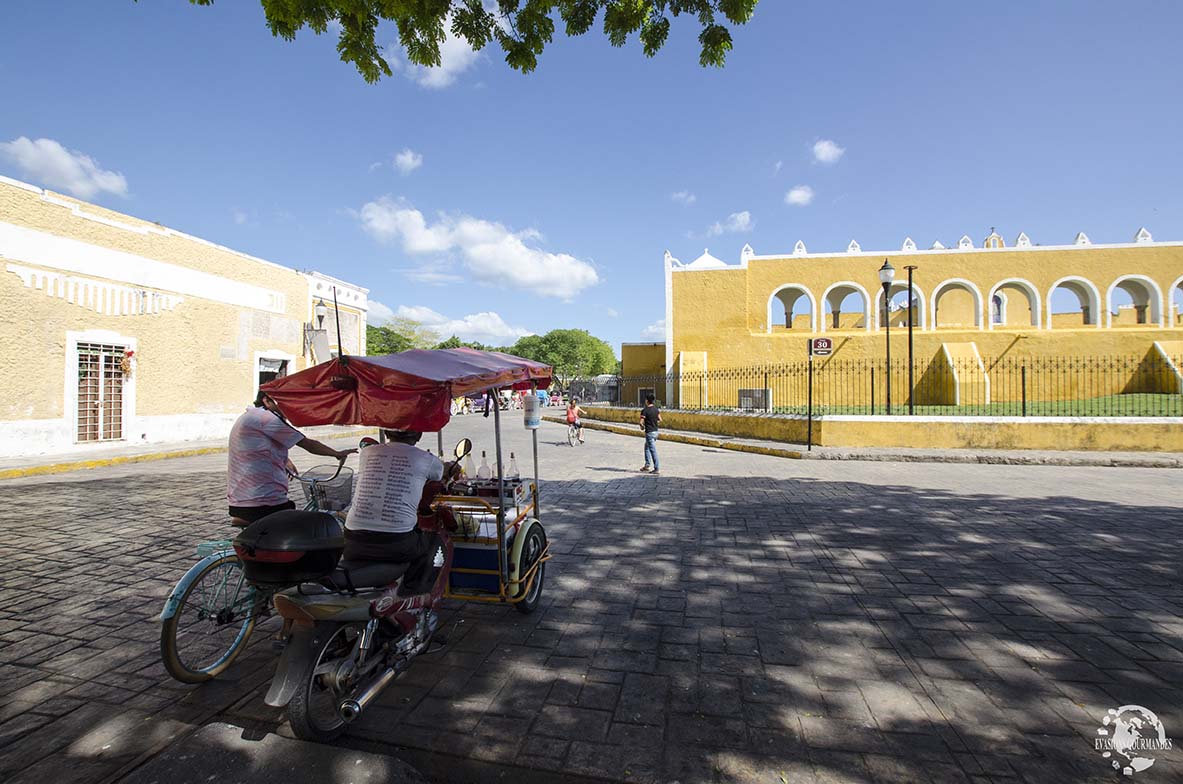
(213, 621)
(572, 436)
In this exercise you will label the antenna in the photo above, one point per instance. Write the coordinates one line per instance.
(337, 315)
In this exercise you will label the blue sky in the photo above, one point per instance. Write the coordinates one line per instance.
(548, 199)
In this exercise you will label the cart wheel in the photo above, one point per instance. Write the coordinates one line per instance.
(532, 550)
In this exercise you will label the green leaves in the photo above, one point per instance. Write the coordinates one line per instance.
(522, 28)
(571, 352)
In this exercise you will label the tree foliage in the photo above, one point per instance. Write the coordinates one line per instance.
(571, 352)
(522, 28)
(399, 334)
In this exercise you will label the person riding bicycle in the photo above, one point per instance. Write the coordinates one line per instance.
(382, 524)
(574, 412)
(258, 467)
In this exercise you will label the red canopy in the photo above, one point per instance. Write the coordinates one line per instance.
(412, 390)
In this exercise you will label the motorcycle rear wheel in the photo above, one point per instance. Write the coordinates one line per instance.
(531, 551)
(313, 711)
(212, 625)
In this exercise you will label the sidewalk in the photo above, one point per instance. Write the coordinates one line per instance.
(34, 465)
(901, 454)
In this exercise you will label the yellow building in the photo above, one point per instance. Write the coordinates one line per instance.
(990, 301)
(121, 330)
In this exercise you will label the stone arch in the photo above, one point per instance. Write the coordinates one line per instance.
(1025, 286)
(1146, 295)
(897, 287)
(835, 294)
(787, 296)
(1086, 292)
(1173, 310)
(956, 283)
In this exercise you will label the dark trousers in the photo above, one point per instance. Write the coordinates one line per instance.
(253, 513)
(414, 547)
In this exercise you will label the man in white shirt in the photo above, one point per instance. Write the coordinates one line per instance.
(382, 523)
(256, 476)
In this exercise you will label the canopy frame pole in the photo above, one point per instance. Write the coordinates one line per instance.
(534, 436)
(439, 440)
(502, 559)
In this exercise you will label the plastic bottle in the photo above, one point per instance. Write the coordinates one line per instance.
(484, 472)
(513, 473)
(469, 467)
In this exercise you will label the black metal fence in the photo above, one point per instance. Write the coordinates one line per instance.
(1150, 386)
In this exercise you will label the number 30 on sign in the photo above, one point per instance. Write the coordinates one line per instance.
(821, 347)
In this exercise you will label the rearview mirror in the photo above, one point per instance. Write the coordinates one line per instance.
(463, 447)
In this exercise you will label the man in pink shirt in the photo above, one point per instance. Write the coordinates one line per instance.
(257, 475)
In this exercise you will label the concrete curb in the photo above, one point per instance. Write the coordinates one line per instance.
(1100, 459)
(680, 438)
(113, 460)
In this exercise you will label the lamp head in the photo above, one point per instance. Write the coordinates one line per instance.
(886, 273)
(321, 311)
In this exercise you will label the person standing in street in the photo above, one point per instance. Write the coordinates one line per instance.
(650, 419)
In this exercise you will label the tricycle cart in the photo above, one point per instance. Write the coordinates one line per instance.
(501, 549)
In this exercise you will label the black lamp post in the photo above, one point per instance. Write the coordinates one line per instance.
(886, 276)
(911, 317)
(321, 312)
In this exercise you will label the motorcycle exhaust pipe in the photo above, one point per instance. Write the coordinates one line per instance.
(351, 709)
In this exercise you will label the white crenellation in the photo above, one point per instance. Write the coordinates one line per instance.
(799, 249)
(1082, 239)
(1022, 241)
(854, 247)
(1143, 235)
(746, 253)
(965, 243)
(937, 245)
(908, 245)
(101, 297)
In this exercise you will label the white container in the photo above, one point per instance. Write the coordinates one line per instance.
(531, 411)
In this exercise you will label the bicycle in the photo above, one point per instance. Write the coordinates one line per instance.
(211, 613)
(573, 434)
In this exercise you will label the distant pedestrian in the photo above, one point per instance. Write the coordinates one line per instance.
(650, 419)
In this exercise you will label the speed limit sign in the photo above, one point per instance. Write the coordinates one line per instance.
(821, 347)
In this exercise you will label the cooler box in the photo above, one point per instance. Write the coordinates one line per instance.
(470, 555)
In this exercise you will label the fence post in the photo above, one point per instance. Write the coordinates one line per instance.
(1023, 377)
(767, 395)
(809, 409)
(872, 390)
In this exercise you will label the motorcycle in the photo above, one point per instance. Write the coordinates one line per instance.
(349, 635)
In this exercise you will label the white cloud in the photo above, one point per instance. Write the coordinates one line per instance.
(407, 161)
(656, 330)
(777, 167)
(49, 163)
(240, 217)
(799, 195)
(378, 314)
(375, 166)
(490, 252)
(486, 327)
(827, 151)
(456, 57)
(432, 276)
(612, 312)
(684, 197)
(736, 222)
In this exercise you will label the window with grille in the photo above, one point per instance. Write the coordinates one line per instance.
(100, 392)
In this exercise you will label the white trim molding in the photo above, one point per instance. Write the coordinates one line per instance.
(1028, 288)
(804, 290)
(1074, 284)
(110, 299)
(1173, 310)
(897, 287)
(1153, 299)
(852, 288)
(43, 249)
(962, 283)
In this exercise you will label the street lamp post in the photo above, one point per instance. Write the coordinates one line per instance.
(321, 312)
(911, 317)
(886, 276)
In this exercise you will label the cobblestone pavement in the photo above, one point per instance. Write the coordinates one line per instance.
(738, 618)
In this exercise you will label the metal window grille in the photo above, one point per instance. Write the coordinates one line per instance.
(100, 392)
